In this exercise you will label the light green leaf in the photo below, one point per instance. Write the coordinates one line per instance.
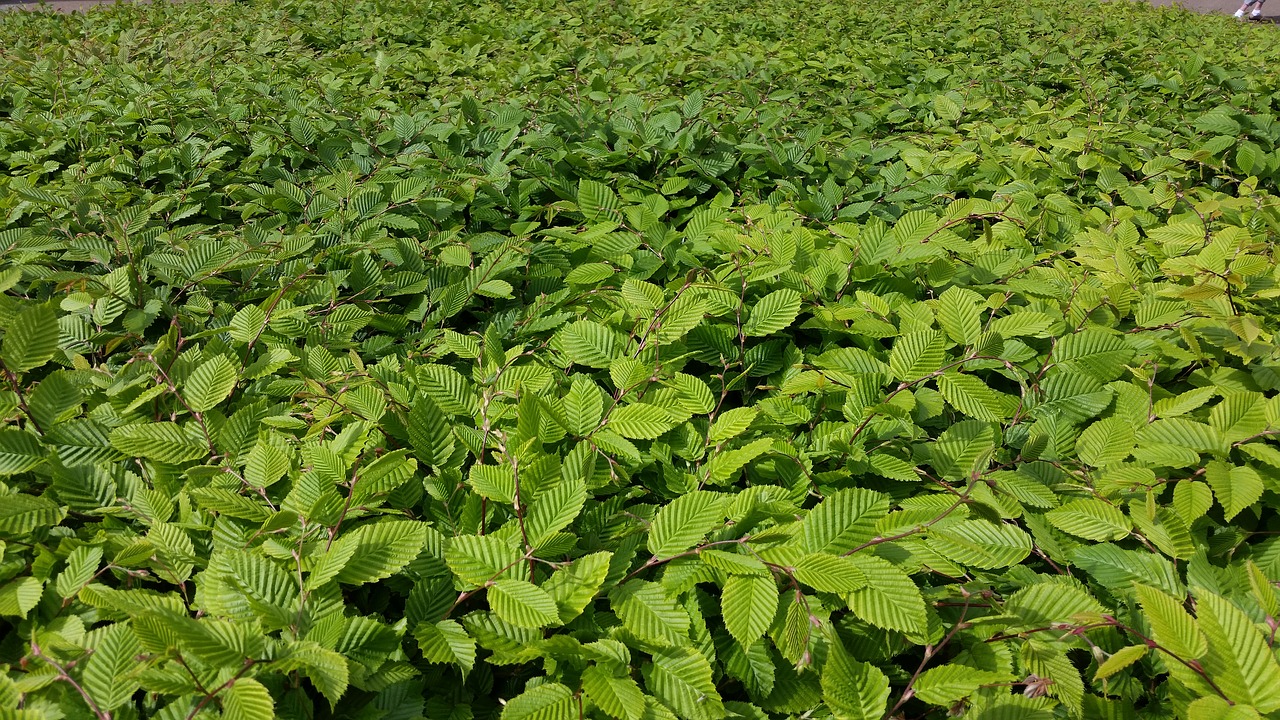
(681, 678)
(748, 605)
(108, 674)
(1119, 660)
(1091, 519)
(30, 339)
(843, 520)
(680, 524)
(646, 610)
(889, 600)
(853, 690)
(981, 544)
(772, 313)
(641, 422)
(165, 442)
(1236, 487)
(917, 354)
(948, 684)
(619, 697)
(247, 699)
(730, 424)
(209, 384)
(523, 604)
(20, 451)
(446, 642)
(548, 701)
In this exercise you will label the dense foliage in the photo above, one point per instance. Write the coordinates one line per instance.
(638, 360)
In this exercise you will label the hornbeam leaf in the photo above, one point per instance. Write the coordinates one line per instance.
(247, 699)
(1119, 660)
(889, 600)
(680, 524)
(209, 384)
(641, 422)
(1236, 487)
(748, 605)
(20, 451)
(165, 442)
(619, 697)
(548, 701)
(646, 610)
(853, 690)
(381, 550)
(30, 339)
(843, 520)
(447, 642)
(109, 674)
(981, 544)
(772, 313)
(1091, 519)
(681, 678)
(948, 684)
(1240, 660)
(523, 604)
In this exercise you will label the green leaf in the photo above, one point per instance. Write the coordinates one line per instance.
(641, 422)
(381, 549)
(1094, 352)
(554, 509)
(682, 679)
(108, 674)
(828, 573)
(588, 343)
(164, 442)
(548, 701)
(917, 354)
(209, 384)
(429, 432)
(30, 339)
(18, 597)
(574, 587)
(958, 313)
(972, 397)
(446, 642)
(853, 690)
(523, 604)
(1236, 487)
(982, 544)
(682, 523)
(948, 684)
(1119, 660)
(1240, 660)
(1117, 568)
(844, 520)
(597, 202)
(53, 398)
(619, 697)
(772, 313)
(247, 699)
(889, 600)
(748, 605)
(23, 514)
(1091, 519)
(583, 406)
(646, 610)
(20, 451)
(1045, 603)
(1105, 442)
(730, 424)
(82, 564)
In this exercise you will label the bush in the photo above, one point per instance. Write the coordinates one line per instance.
(638, 360)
